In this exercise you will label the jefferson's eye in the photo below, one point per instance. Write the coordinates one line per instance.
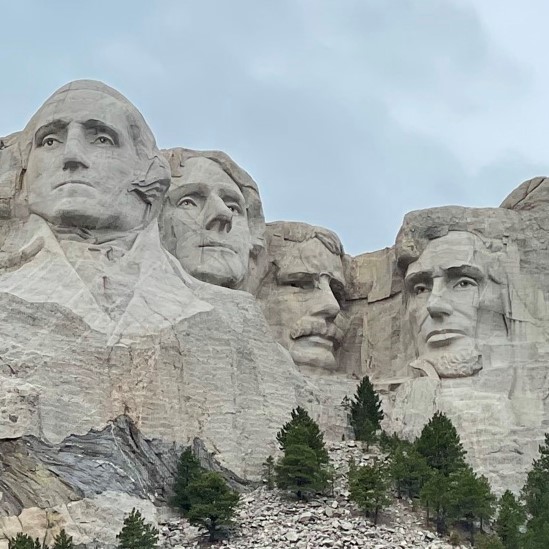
(186, 203)
(103, 140)
(420, 289)
(465, 283)
(49, 141)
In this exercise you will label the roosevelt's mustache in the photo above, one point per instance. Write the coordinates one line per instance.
(314, 326)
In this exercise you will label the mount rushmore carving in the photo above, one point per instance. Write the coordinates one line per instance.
(146, 305)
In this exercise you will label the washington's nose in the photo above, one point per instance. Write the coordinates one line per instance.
(326, 304)
(74, 156)
(217, 216)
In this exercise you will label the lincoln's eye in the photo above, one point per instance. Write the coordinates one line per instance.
(420, 289)
(465, 283)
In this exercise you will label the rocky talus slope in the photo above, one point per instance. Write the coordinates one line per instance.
(269, 520)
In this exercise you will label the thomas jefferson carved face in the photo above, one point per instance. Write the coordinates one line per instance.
(82, 163)
(204, 224)
(302, 303)
(447, 288)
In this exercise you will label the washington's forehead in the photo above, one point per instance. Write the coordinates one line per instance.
(82, 105)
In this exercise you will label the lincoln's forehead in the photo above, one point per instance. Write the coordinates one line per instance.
(456, 249)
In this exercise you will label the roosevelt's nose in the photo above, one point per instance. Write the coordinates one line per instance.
(74, 155)
(325, 302)
(217, 216)
(437, 305)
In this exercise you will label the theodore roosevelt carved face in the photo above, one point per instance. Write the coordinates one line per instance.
(302, 294)
(447, 289)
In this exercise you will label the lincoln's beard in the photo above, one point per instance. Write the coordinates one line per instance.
(464, 363)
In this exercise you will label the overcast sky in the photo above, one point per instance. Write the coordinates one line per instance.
(347, 113)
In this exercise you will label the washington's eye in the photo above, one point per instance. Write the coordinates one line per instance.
(234, 208)
(420, 289)
(103, 140)
(464, 283)
(186, 203)
(49, 141)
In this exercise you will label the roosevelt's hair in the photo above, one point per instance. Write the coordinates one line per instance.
(178, 157)
(294, 231)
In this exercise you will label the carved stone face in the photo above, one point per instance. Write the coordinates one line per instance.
(445, 290)
(205, 225)
(82, 163)
(302, 305)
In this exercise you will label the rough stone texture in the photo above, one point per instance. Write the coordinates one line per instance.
(99, 321)
(113, 357)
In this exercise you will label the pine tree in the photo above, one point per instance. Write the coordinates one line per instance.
(511, 518)
(300, 471)
(23, 541)
(485, 541)
(408, 470)
(303, 430)
(212, 503)
(188, 470)
(365, 413)
(62, 541)
(268, 472)
(440, 445)
(536, 490)
(136, 533)
(369, 488)
(535, 495)
(436, 497)
(471, 498)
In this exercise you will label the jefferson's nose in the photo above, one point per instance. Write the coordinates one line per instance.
(217, 216)
(325, 302)
(74, 156)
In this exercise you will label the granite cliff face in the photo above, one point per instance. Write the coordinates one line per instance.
(146, 306)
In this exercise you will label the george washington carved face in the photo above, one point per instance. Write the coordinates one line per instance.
(84, 165)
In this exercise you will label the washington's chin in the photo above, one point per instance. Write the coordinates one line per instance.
(314, 352)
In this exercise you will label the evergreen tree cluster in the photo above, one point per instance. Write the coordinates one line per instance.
(203, 497)
(304, 468)
(23, 541)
